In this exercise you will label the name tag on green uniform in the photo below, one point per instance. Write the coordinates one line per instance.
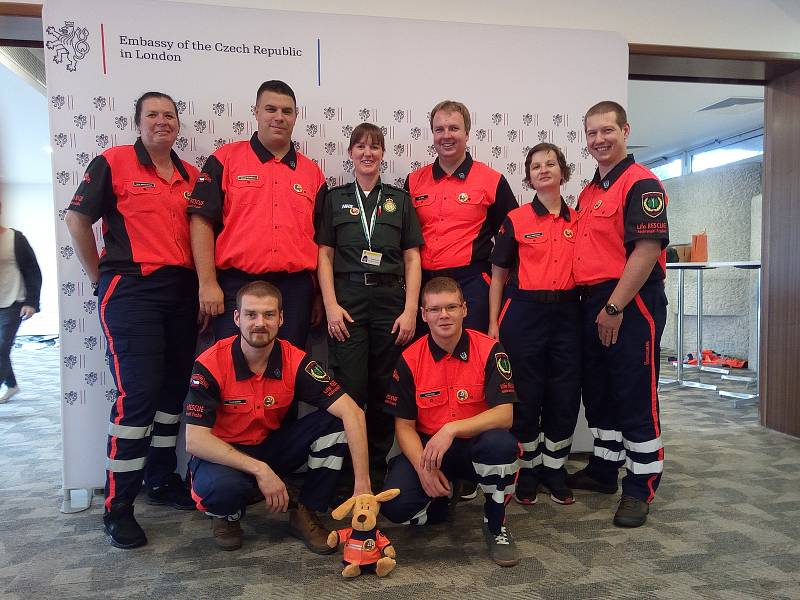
(368, 257)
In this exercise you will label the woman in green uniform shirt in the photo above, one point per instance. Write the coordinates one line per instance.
(369, 274)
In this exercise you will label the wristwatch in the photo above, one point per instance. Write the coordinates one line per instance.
(612, 309)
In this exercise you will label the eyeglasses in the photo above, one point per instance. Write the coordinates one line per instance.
(450, 309)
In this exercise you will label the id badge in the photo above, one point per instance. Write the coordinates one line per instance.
(371, 258)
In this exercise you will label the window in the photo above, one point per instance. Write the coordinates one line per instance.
(669, 169)
(716, 155)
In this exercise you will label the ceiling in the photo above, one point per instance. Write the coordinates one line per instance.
(664, 116)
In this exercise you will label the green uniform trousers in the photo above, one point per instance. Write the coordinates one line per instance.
(363, 363)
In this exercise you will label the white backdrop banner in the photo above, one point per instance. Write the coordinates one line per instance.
(522, 85)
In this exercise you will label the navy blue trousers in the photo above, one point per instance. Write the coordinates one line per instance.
(620, 389)
(316, 439)
(150, 324)
(489, 459)
(297, 290)
(543, 342)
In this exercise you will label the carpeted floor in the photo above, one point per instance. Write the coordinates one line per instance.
(725, 525)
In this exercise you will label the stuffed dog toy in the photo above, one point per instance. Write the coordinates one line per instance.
(365, 547)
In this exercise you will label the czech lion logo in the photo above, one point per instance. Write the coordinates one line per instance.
(68, 44)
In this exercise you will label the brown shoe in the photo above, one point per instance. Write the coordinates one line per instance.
(227, 534)
(305, 525)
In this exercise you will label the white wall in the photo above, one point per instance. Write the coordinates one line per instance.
(721, 201)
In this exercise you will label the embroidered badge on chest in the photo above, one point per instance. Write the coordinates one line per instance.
(187, 196)
(247, 178)
(354, 211)
(597, 204)
(462, 395)
(298, 188)
(389, 206)
(268, 401)
(463, 197)
(569, 234)
(534, 235)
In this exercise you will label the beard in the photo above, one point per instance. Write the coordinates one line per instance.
(260, 338)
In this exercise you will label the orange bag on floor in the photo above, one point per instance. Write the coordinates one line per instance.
(699, 247)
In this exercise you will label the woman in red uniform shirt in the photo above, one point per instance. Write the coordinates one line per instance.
(147, 289)
(534, 311)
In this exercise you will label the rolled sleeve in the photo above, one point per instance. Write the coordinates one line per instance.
(95, 194)
(401, 398)
(499, 385)
(313, 384)
(203, 399)
(208, 197)
(411, 235)
(504, 202)
(506, 249)
(646, 213)
(325, 234)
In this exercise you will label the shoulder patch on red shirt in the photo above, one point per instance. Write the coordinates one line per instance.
(653, 204)
(316, 371)
(503, 364)
(197, 381)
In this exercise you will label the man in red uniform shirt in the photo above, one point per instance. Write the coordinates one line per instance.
(452, 398)
(241, 390)
(254, 210)
(619, 263)
(460, 203)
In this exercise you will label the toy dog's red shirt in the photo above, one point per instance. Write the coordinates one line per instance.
(362, 547)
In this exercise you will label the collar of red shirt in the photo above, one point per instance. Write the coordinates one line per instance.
(144, 158)
(541, 210)
(289, 159)
(461, 351)
(274, 368)
(614, 174)
(461, 172)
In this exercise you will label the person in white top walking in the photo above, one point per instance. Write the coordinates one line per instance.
(20, 287)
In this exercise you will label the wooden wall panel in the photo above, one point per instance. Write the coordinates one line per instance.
(780, 308)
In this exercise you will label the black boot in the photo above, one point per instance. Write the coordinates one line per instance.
(172, 492)
(121, 527)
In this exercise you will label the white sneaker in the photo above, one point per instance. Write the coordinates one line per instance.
(9, 393)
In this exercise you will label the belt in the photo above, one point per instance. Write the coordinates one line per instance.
(545, 296)
(606, 287)
(602, 288)
(371, 279)
(457, 273)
